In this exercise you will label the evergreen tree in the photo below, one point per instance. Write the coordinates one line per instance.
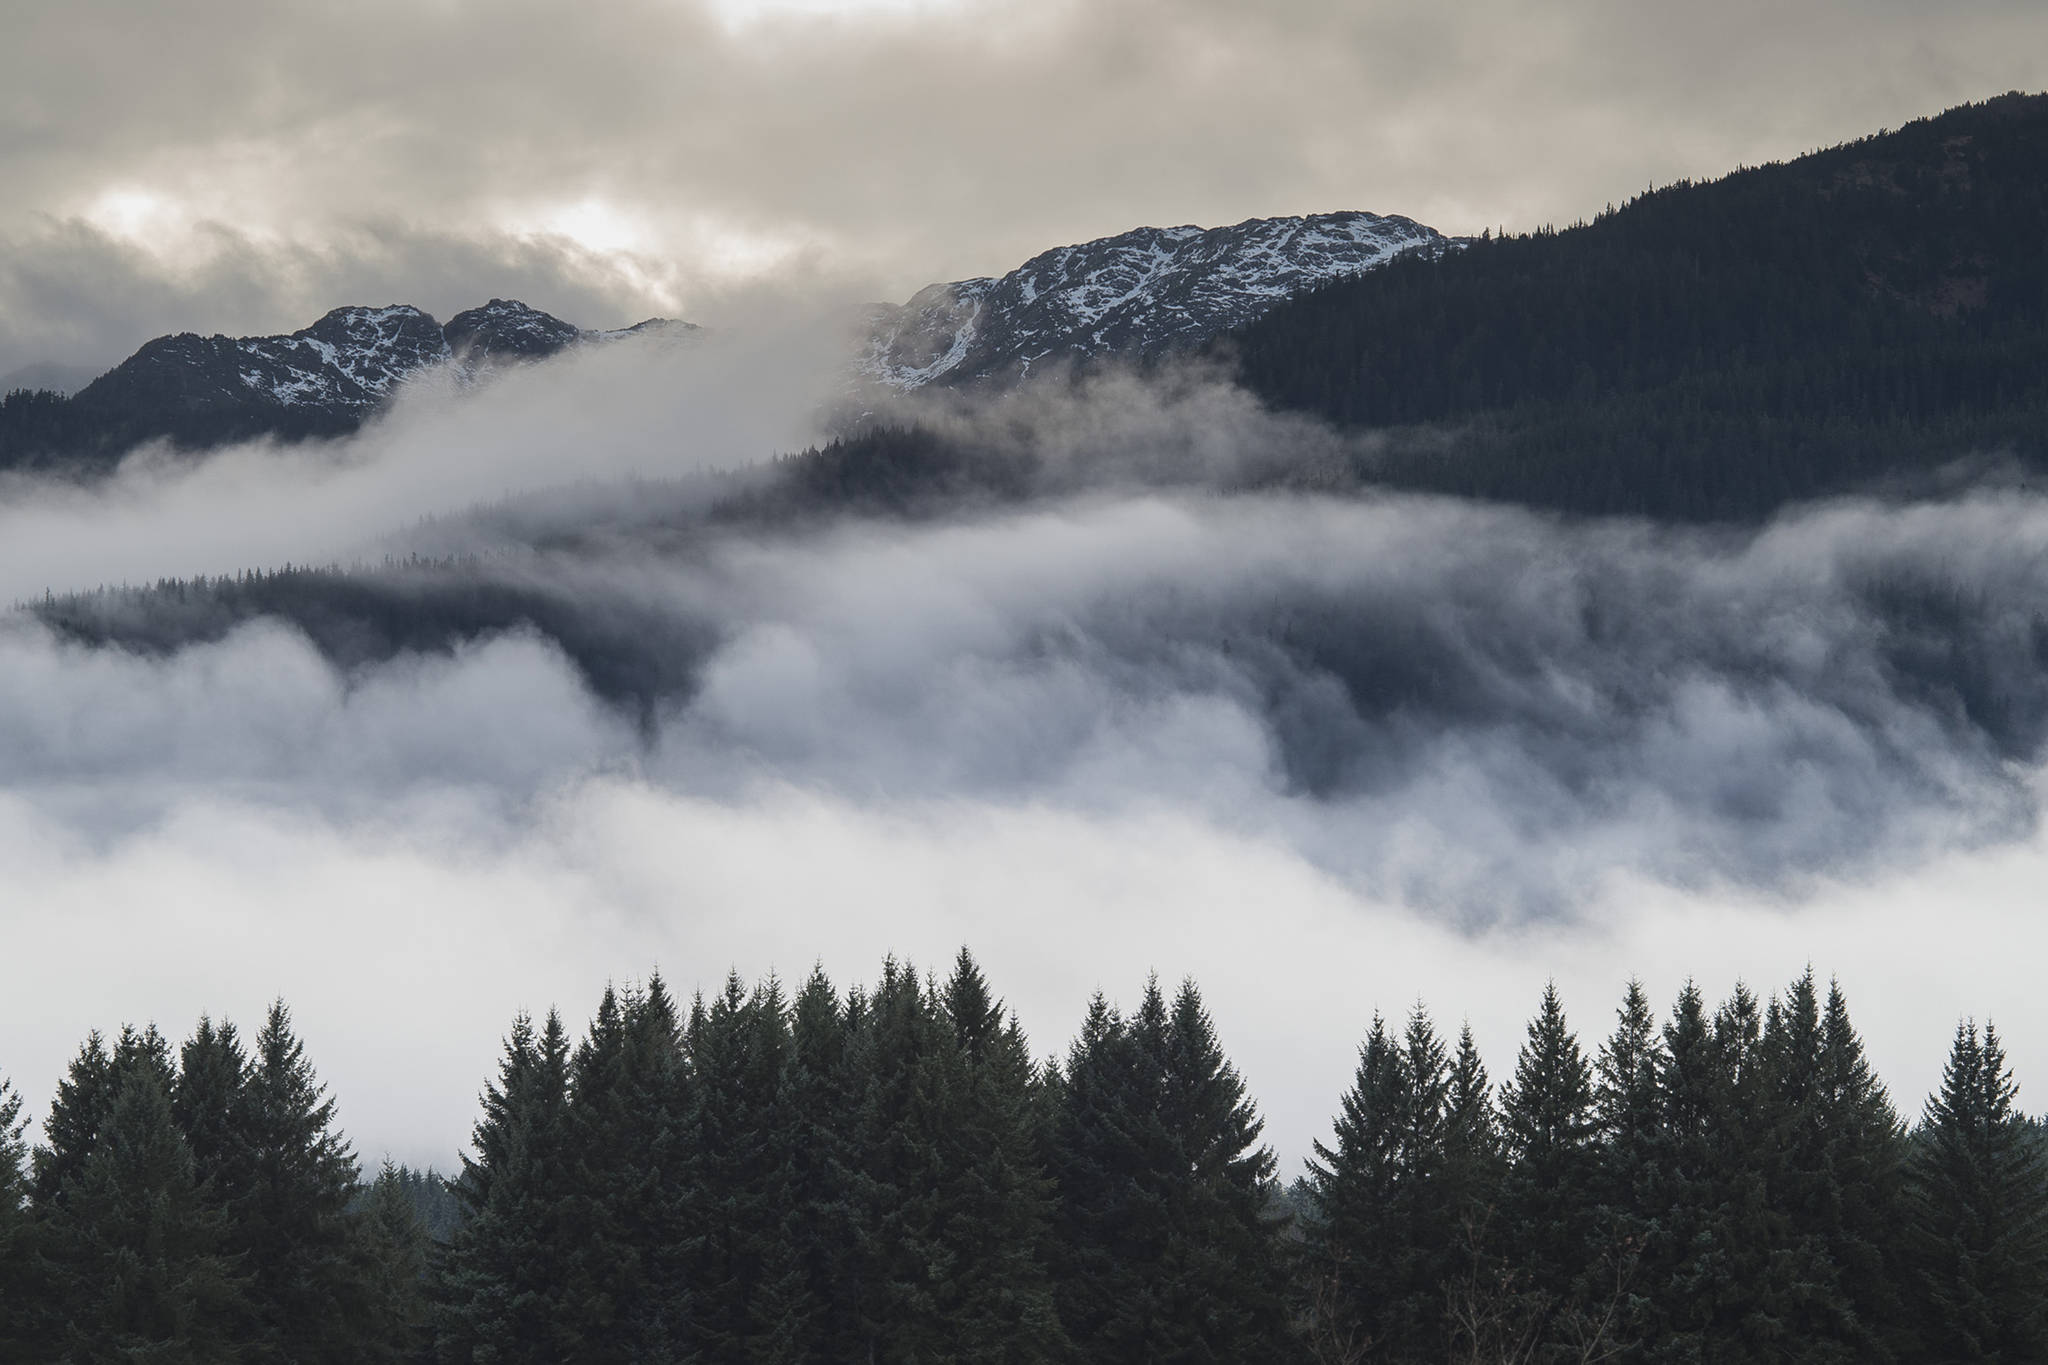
(1548, 1130)
(21, 1285)
(1865, 1197)
(395, 1249)
(737, 1048)
(1224, 1291)
(291, 1225)
(1627, 1217)
(901, 1262)
(633, 1182)
(1472, 1136)
(1979, 1213)
(72, 1129)
(1682, 1256)
(1091, 1149)
(147, 1050)
(995, 1206)
(805, 1297)
(1757, 1277)
(1167, 1253)
(212, 1104)
(135, 1246)
(502, 1292)
(606, 1187)
(1828, 1131)
(1370, 1289)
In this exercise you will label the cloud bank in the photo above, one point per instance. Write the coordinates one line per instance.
(1323, 753)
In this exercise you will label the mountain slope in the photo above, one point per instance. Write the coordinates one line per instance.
(1870, 312)
(1137, 295)
(322, 380)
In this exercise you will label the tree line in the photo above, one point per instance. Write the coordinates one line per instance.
(887, 1174)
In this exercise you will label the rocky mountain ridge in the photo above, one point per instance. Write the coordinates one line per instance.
(1137, 295)
(322, 380)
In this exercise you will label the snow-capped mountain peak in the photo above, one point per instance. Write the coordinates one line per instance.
(507, 327)
(322, 380)
(1138, 294)
(352, 358)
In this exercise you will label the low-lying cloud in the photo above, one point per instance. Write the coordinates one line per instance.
(1322, 752)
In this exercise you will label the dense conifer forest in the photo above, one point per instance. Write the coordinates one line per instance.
(1868, 313)
(887, 1173)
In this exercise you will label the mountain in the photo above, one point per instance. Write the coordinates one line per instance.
(1138, 295)
(322, 380)
(1870, 316)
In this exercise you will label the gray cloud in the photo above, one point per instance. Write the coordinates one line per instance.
(257, 163)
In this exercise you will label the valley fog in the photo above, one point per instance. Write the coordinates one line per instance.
(1320, 752)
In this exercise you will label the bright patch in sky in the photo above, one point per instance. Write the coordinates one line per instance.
(135, 215)
(740, 13)
(596, 226)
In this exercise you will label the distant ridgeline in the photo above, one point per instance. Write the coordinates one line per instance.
(323, 380)
(1870, 317)
(1715, 350)
(887, 1173)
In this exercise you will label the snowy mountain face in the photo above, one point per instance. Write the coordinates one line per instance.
(321, 380)
(505, 328)
(1140, 295)
(350, 359)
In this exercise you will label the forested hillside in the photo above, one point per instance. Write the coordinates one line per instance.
(887, 1174)
(1875, 311)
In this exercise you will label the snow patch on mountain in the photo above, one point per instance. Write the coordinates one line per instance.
(354, 358)
(1139, 294)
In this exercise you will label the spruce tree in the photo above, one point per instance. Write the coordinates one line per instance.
(502, 1291)
(1979, 1229)
(805, 1295)
(1225, 1286)
(1758, 1283)
(212, 1104)
(395, 1250)
(1627, 1217)
(605, 1276)
(1682, 1256)
(901, 1262)
(1166, 1248)
(1091, 1150)
(647, 1182)
(1866, 1205)
(292, 1225)
(73, 1127)
(137, 1250)
(737, 1048)
(995, 1205)
(1472, 1138)
(1548, 1130)
(1368, 1290)
(22, 1286)
(1830, 1158)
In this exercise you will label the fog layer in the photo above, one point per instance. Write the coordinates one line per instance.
(1323, 753)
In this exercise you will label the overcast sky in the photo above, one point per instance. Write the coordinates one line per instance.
(244, 165)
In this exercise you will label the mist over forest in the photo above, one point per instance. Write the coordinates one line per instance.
(1657, 599)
